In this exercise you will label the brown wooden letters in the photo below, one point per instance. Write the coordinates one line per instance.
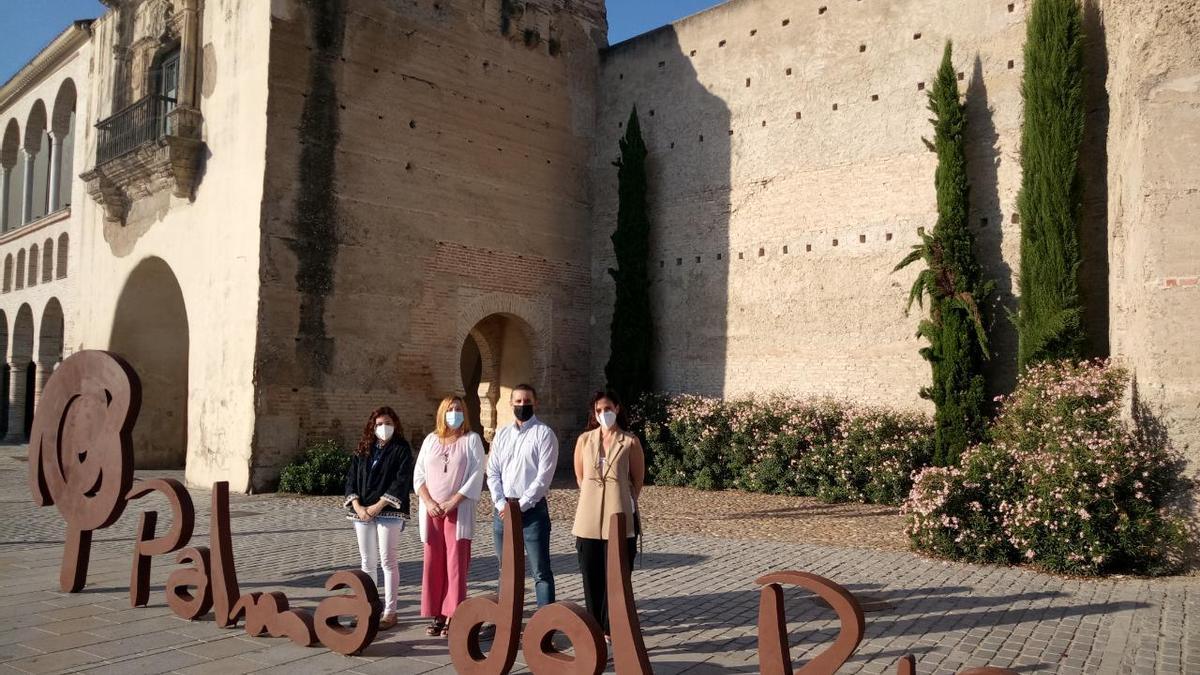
(183, 519)
(80, 451)
(184, 603)
(362, 603)
(268, 613)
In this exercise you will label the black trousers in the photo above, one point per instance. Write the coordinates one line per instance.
(593, 555)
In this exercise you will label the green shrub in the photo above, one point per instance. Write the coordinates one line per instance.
(779, 445)
(320, 470)
(1066, 484)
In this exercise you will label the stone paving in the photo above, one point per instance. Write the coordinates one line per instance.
(696, 597)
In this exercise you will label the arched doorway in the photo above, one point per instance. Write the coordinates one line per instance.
(4, 375)
(497, 355)
(20, 397)
(50, 343)
(150, 330)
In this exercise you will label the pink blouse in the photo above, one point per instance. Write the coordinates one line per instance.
(445, 468)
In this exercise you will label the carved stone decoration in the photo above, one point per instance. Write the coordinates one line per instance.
(503, 610)
(81, 450)
(362, 603)
(268, 613)
(774, 654)
(169, 163)
(580, 628)
(629, 649)
(183, 520)
(184, 603)
(224, 576)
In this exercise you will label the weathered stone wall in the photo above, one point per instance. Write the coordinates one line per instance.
(425, 170)
(207, 244)
(788, 176)
(1153, 200)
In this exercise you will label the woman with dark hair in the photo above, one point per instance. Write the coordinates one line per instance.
(377, 487)
(610, 468)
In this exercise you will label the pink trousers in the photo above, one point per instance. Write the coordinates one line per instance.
(447, 559)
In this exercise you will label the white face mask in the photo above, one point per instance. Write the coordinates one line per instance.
(606, 418)
(454, 418)
(384, 432)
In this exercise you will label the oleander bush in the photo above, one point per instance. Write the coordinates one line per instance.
(320, 470)
(1065, 483)
(828, 449)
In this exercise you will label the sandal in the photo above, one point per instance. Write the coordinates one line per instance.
(435, 629)
(446, 629)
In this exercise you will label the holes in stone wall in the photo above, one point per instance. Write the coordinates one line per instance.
(718, 256)
(786, 22)
(1011, 64)
(983, 222)
(662, 264)
(862, 238)
(412, 124)
(920, 86)
(747, 82)
(672, 145)
(697, 259)
(916, 36)
(741, 256)
(701, 138)
(693, 52)
(753, 32)
(835, 106)
(620, 76)
(1016, 218)
(762, 252)
(862, 48)
(808, 248)
(678, 261)
(721, 43)
(874, 97)
(1012, 8)
(662, 64)
(822, 10)
(962, 76)
(920, 231)
(789, 72)
(731, 132)
(785, 250)
(887, 237)
(835, 242)
(797, 114)
(764, 123)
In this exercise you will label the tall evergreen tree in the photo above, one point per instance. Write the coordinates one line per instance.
(629, 369)
(1049, 318)
(953, 281)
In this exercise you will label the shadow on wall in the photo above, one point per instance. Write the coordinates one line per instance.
(1093, 169)
(983, 165)
(150, 330)
(688, 137)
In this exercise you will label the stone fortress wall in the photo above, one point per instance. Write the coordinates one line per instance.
(788, 176)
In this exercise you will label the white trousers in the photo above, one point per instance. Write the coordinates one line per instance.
(378, 540)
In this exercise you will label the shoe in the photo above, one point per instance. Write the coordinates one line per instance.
(435, 628)
(387, 621)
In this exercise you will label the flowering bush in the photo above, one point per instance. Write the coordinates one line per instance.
(827, 449)
(1064, 484)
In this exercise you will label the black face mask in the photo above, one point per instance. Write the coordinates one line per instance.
(523, 412)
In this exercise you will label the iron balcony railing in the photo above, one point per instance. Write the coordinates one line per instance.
(139, 123)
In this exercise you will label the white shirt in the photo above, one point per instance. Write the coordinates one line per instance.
(522, 462)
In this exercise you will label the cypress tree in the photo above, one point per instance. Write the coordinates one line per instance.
(1049, 318)
(629, 370)
(953, 281)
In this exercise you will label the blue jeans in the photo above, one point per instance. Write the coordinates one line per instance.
(535, 524)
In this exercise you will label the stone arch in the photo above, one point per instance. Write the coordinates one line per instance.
(21, 374)
(48, 260)
(62, 128)
(63, 245)
(10, 145)
(8, 276)
(150, 329)
(507, 350)
(20, 276)
(50, 344)
(10, 200)
(533, 313)
(35, 127)
(4, 374)
(34, 259)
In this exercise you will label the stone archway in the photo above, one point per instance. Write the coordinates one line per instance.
(150, 330)
(498, 353)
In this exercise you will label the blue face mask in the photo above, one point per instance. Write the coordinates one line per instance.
(454, 418)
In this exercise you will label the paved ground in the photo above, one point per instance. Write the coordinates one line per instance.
(696, 597)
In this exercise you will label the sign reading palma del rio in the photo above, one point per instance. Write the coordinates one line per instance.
(81, 461)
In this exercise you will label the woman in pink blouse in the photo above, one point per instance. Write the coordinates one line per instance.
(448, 477)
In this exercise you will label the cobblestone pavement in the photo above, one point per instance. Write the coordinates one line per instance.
(696, 597)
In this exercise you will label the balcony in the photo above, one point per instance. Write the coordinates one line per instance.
(142, 122)
(150, 146)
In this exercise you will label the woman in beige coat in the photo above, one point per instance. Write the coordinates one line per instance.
(610, 469)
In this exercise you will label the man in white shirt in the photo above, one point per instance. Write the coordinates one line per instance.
(521, 466)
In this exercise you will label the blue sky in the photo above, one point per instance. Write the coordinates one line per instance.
(37, 22)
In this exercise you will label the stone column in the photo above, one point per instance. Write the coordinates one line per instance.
(52, 202)
(188, 23)
(44, 370)
(16, 403)
(5, 183)
(27, 197)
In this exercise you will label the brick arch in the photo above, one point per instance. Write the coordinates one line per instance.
(532, 316)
